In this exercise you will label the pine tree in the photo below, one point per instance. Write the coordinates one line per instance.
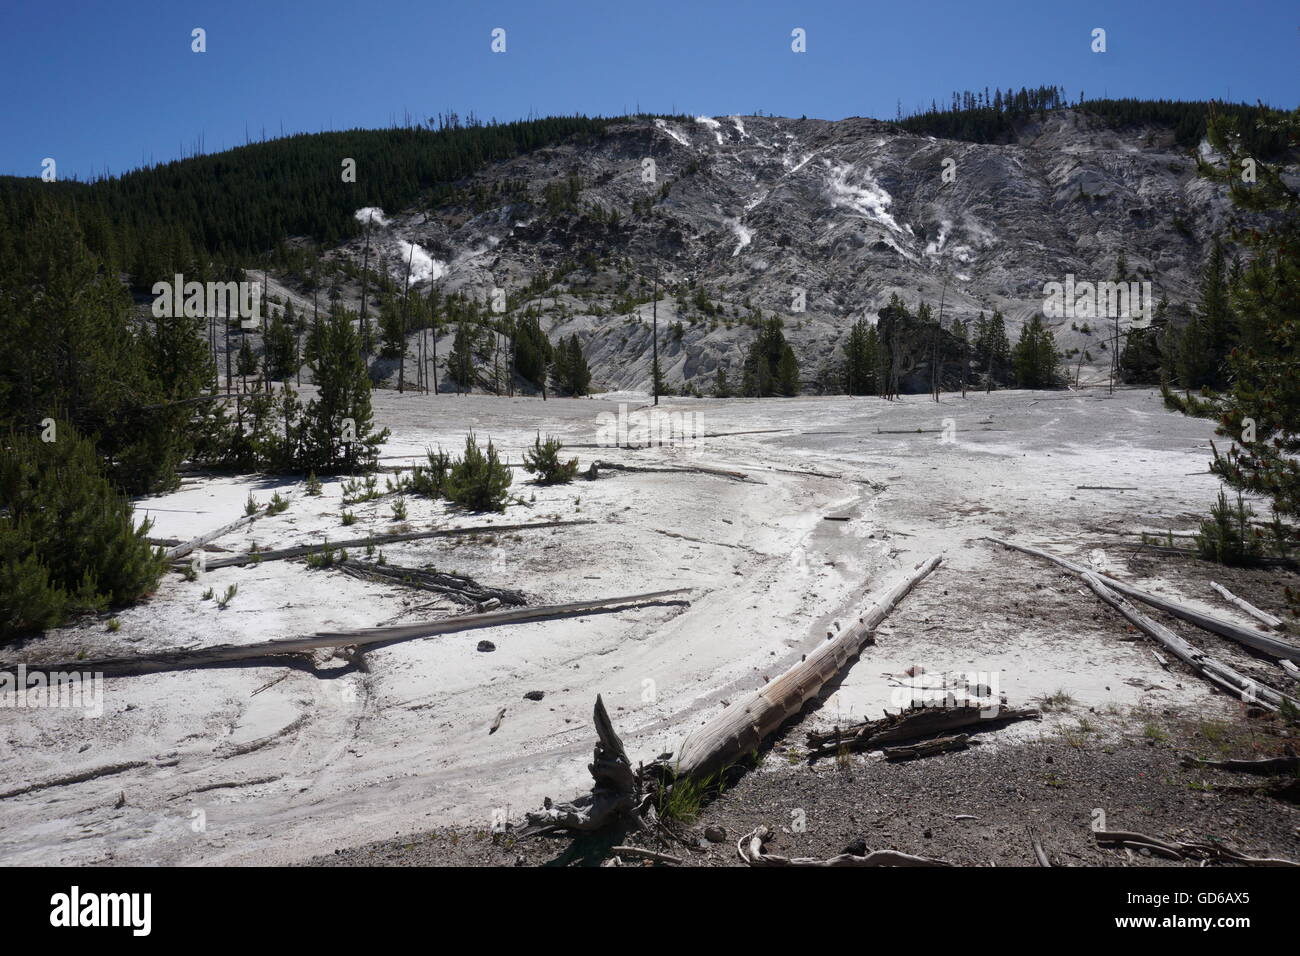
(1034, 358)
(721, 387)
(861, 359)
(67, 539)
(337, 428)
(479, 481)
(460, 360)
(1261, 416)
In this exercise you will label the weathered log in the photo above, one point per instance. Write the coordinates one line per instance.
(1262, 616)
(614, 795)
(1215, 671)
(1242, 635)
(750, 848)
(744, 725)
(913, 723)
(185, 547)
(698, 470)
(927, 748)
(275, 651)
(283, 554)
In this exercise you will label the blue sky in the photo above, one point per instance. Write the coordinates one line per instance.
(106, 86)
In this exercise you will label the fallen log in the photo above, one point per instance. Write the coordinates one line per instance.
(699, 470)
(299, 551)
(1246, 688)
(185, 547)
(459, 588)
(927, 748)
(911, 724)
(750, 848)
(1235, 632)
(277, 650)
(744, 725)
(1263, 617)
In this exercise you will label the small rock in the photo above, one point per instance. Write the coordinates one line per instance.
(486, 646)
(858, 847)
(534, 695)
(715, 834)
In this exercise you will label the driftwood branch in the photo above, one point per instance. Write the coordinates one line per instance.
(744, 725)
(185, 547)
(1263, 617)
(926, 748)
(189, 658)
(1177, 851)
(911, 724)
(1235, 632)
(750, 848)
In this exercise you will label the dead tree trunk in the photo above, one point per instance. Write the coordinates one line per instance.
(1212, 670)
(1235, 632)
(614, 795)
(744, 725)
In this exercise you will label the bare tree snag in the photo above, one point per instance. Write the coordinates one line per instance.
(750, 848)
(1235, 632)
(1263, 617)
(1212, 670)
(615, 792)
(744, 725)
(275, 651)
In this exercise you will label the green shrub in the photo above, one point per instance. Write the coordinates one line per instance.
(543, 460)
(431, 482)
(479, 480)
(1227, 537)
(67, 540)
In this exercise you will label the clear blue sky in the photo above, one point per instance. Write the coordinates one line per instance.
(100, 85)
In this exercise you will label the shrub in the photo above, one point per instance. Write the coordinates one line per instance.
(1227, 537)
(543, 460)
(431, 481)
(479, 480)
(67, 540)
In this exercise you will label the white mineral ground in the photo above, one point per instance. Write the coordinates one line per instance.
(356, 757)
